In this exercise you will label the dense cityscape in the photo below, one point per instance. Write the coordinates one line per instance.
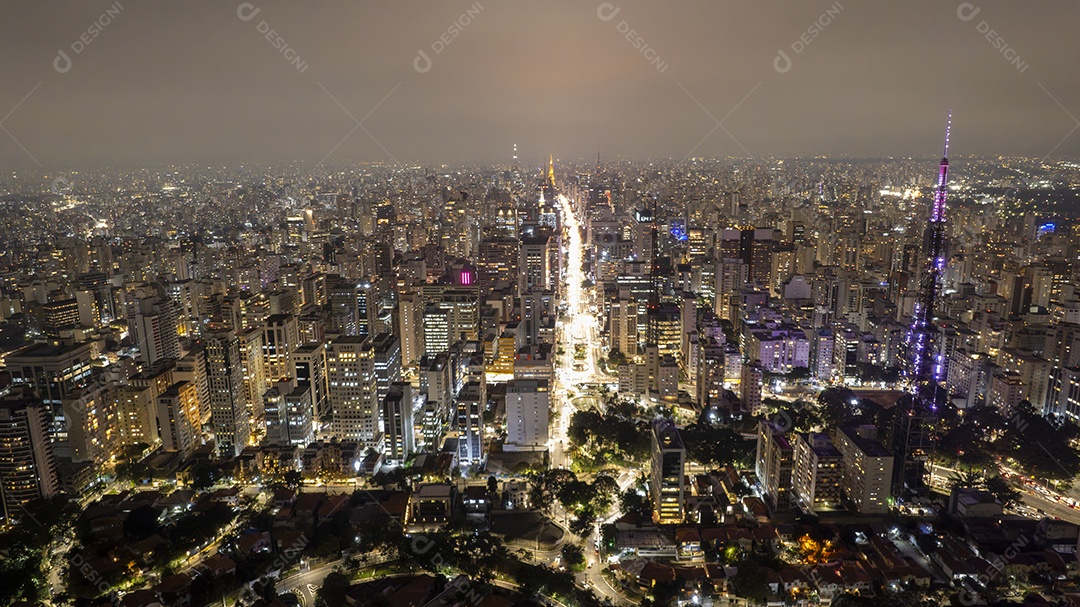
(508, 337)
(590, 381)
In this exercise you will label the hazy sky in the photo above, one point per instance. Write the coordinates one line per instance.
(194, 81)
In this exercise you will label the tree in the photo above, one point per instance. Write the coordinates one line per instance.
(1003, 491)
(142, 522)
(266, 588)
(603, 489)
(203, 477)
(966, 479)
(333, 590)
(798, 373)
(609, 534)
(492, 485)
(750, 581)
(631, 502)
(573, 557)
(716, 447)
(132, 471)
(583, 523)
(616, 357)
(293, 479)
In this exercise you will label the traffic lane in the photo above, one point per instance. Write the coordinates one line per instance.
(1051, 508)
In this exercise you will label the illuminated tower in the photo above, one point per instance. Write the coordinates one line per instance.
(551, 171)
(913, 422)
(924, 365)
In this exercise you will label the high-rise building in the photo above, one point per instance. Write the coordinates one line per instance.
(470, 424)
(343, 299)
(27, 463)
(436, 330)
(752, 377)
(280, 337)
(817, 472)
(1006, 392)
(710, 374)
(397, 415)
(387, 354)
(667, 481)
(665, 329)
(534, 267)
(410, 328)
(353, 388)
(436, 383)
(868, 470)
(289, 415)
(497, 260)
(90, 417)
(308, 367)
(623, 326)
(758, 245)
(61, 317)
(367, 304)
(773, 465)
(154, 328)
(527, 414)
(52, 371)
(225, 383)
(255, 380)
(731, 276)
(178, 418)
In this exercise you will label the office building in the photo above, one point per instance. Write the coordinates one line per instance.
(667, 479)
(528, 404)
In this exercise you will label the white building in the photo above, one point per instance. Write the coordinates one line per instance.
(528, 404)
(868, 468)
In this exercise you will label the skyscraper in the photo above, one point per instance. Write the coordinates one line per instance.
(154, 329)
(667, 479)
(178, 418)
(470, 424)
(397, 415)
(225, 383)
(27, 463)
(350, 373)
(289, 418)
(527, 415)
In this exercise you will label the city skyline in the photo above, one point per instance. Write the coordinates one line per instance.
(558, 303)
(122, 84)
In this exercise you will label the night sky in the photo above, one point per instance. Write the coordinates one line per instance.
(194, 82)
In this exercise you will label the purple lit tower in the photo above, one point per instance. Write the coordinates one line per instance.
(911, 435)
(924, 364)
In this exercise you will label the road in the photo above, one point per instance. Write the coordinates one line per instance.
(1050, 507)
(306, 583)
(575, 327)
(1046, 501)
